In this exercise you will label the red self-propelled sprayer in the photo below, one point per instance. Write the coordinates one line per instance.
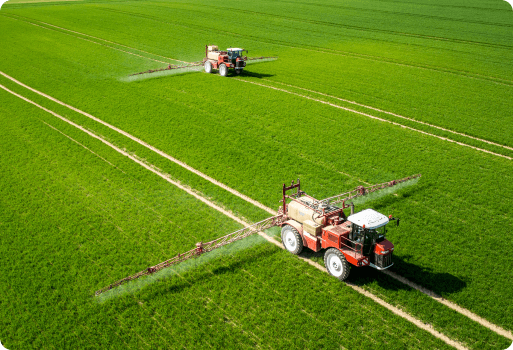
(358, 239)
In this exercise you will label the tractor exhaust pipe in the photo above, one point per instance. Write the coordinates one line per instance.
(352, 208)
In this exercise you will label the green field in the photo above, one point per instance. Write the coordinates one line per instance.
(75, 215)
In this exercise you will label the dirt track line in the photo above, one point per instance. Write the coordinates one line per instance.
(459, 73)
(72, 139)
(379, 59)
(138, 161)
(112, 42)
(377, 118)
(455, 307)
(166, 177)
(396, 115)
(465, 312)
(92, 41)
(139, 141)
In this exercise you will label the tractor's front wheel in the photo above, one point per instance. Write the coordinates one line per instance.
(208, 67)
(238, 71)
(223, 70)
(292, 240)
(336, 264)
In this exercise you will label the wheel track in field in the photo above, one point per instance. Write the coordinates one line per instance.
(406, 14)
(394, 114)
(496, 80)
(376, 118)
(141, 142)
(142, 163)
(360, 28)
(77, 35)
(447, 6)
(499, 330)
(313, 48)
(49, 194)
(166, 177)
(40, 1)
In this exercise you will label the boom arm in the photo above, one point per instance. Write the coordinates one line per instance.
(202, 248)
(362, 191)
(272, 221)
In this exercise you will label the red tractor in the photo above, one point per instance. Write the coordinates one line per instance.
(358, 239)
(222, 60)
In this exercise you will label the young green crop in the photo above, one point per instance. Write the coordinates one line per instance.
(73, 218)
(440, 63)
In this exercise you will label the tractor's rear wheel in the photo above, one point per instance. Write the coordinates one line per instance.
(223, 70)
(292, 240)
(336, 264)
(208, 67)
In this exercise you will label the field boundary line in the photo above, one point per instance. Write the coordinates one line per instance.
(395, 115)
(456, 307)
(141, 142)
(92, 41)
(378, 118)
(166, 177)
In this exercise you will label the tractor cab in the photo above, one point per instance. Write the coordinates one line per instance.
(233, 53)
(368, 228)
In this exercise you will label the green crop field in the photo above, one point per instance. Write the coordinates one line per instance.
(361, 92)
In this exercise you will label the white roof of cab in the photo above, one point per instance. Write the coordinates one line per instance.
(234, 49)
(368, 217)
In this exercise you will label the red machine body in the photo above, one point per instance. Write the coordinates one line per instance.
(318, 225)
(230, 58)
(358, 239)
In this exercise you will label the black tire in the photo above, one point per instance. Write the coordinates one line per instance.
(223, 70)
(336, 264)
(291, 239)
(238, 71)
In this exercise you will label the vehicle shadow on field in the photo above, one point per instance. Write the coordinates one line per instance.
(254, 75)
(441, 283)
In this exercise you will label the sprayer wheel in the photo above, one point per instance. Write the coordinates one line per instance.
(223, 70)
(336, 264)
(292, 240)
(208, 67)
